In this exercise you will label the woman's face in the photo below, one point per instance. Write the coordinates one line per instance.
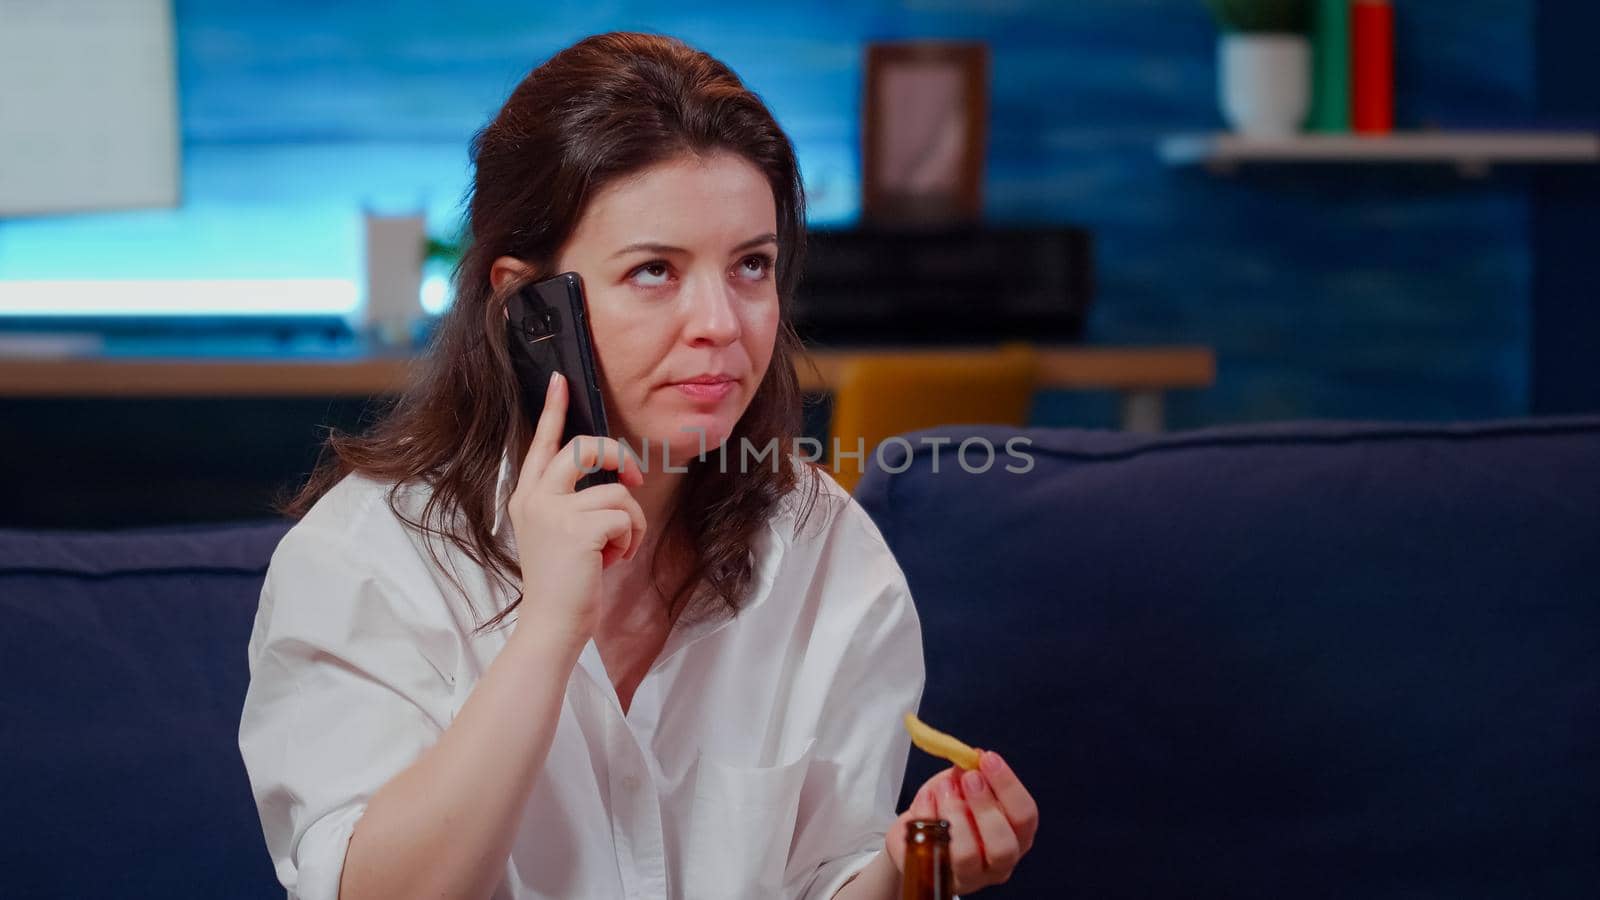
(677, 268)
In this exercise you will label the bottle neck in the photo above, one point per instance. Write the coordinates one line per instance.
(927, 861)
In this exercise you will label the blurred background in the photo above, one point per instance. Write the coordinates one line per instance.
(176, 330)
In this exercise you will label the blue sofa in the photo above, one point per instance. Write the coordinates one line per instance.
(1314, 660)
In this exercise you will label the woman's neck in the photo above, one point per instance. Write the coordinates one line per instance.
(657, 497)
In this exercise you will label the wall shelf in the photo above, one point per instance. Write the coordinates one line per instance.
(1473, 153)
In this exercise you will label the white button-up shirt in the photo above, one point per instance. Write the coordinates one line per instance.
(761, 756)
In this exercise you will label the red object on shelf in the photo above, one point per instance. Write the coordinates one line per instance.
(1372, 66)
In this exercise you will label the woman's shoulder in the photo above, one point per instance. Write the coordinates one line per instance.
(820, 523)
(834, 561)
(350, 572)
(820, 510)
(358, 543)
(356, 506)
(358, 525)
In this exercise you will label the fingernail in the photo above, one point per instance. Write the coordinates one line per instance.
(991, 763)
(946, 788)
(973, 782)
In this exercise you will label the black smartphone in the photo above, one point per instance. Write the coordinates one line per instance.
(547, 327)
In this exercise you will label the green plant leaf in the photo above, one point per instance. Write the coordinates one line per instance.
(1262, 16)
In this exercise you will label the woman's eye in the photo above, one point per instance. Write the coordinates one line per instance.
(755, 267)
(651, 274)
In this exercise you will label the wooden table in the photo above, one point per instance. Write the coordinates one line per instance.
(1142, 375)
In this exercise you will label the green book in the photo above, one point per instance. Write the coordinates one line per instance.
(1330, 79)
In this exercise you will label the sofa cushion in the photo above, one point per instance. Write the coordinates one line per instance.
(123, 655)
(1348, 660)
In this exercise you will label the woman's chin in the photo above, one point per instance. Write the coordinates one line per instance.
(689, 446)
(684, 441)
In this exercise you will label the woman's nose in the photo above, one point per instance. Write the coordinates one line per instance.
(710, 316)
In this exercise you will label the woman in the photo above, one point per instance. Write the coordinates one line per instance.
(689, 683)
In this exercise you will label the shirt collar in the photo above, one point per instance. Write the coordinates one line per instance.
(769, 547)
(502, 493)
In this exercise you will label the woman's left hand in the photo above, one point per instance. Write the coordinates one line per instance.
(993, 820)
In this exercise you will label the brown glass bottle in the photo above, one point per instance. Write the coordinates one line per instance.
(927, 869)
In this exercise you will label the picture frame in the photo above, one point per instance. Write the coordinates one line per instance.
(924, 126)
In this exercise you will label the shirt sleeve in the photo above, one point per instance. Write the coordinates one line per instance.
(342, 697)
(862, 744)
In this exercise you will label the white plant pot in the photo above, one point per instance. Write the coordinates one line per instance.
(1264, 82)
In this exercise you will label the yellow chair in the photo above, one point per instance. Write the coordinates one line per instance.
(878, 396)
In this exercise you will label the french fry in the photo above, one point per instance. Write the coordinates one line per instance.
(940, 744)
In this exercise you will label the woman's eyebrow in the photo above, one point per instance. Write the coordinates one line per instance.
(651, 247)
(758, 240)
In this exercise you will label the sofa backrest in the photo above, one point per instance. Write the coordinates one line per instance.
(1294, 660)
(123, 659)
(1307, 659)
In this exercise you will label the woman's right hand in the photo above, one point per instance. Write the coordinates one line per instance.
(566, 537)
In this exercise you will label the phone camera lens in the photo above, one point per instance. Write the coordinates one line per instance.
(537, 324)
(541, 323)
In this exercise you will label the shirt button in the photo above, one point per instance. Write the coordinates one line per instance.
(630, 783)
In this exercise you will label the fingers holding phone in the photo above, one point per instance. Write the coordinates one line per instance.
(562, 466)
(566, 537)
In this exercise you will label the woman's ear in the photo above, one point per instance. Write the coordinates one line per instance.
(505, 269)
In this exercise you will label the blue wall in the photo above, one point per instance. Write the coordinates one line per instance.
(1391, 294)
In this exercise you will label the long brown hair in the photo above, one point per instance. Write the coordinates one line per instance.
(606, 107)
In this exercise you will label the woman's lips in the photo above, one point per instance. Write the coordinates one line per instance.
(706, 392)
